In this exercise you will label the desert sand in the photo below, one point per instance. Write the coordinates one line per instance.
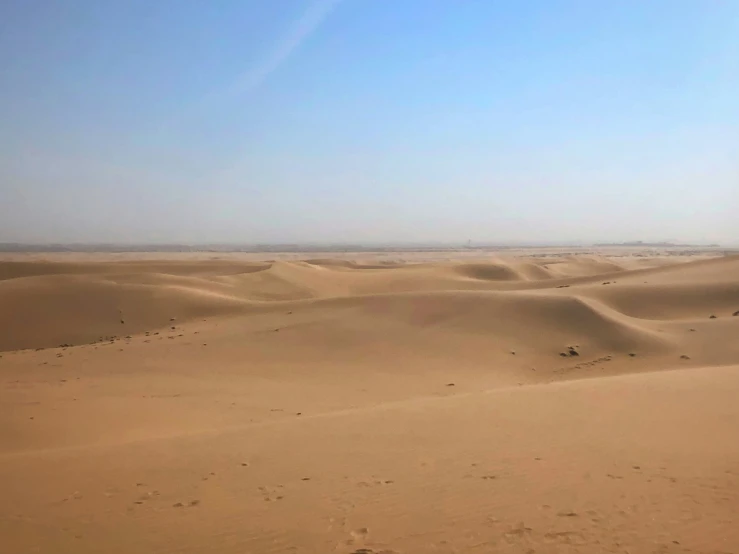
(397, 403)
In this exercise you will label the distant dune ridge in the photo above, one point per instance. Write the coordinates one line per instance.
(353, 404)
(46, 304)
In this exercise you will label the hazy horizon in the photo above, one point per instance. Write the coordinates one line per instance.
(350, 121)
(308, 246)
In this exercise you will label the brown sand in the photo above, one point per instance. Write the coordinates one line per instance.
(236, 405)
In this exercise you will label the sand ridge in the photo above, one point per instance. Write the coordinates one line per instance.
(360, 405)
(44, 305)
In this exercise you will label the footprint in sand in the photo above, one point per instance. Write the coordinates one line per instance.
(359, 534)
(146, 497)
(375, 483)
(270, 494)
(517, 532)
(76, 495)
(190, 504)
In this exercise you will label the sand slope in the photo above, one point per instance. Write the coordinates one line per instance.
(583, 404)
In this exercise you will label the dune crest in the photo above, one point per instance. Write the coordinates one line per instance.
(46, 304)
(365, 406)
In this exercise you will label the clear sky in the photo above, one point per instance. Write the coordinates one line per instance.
(369, 120)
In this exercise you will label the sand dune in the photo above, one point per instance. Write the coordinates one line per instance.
(512, 404)
(582, 266)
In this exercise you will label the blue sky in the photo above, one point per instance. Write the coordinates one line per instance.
(369, 121)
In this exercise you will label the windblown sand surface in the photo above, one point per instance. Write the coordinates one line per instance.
(517, 404)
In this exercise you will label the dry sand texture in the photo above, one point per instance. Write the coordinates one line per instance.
(550, 403)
